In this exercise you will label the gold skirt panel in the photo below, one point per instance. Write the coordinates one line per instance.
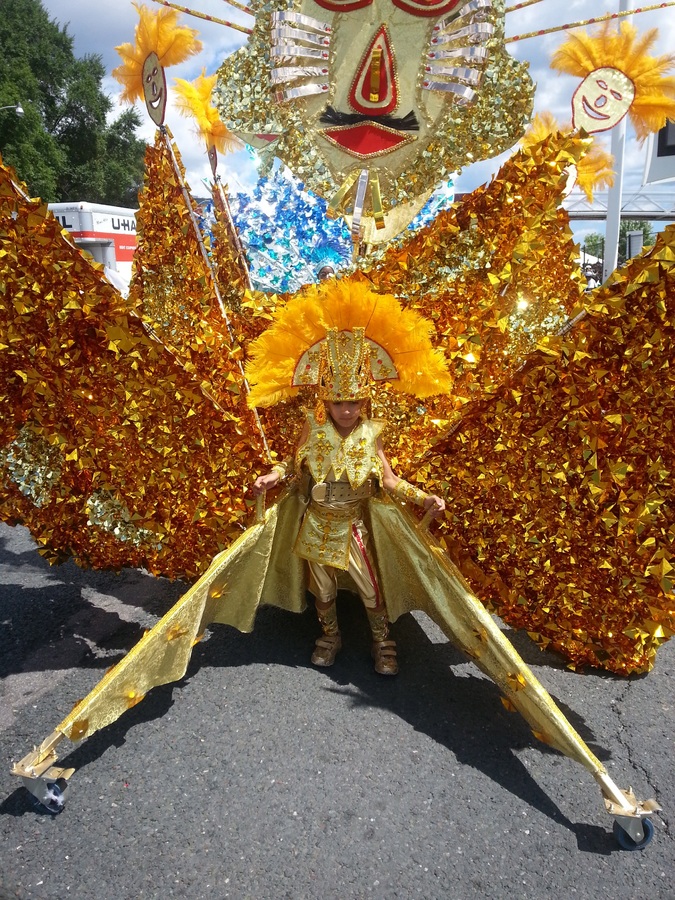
(258, 568)
(416, 573)
(255, 569)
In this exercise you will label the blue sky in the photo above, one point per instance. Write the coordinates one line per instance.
(99, 27)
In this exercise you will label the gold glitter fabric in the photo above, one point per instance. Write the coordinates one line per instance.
(111, 448)
(446, 94)
(176, 282)
(326, 532)
(414, 572)
(560, 489)
(354, 456)
(496, 274)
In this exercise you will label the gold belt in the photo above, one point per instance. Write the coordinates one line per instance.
(342, 491)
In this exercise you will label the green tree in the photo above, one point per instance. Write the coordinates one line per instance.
(63, 147)
(594, 244)
(633, 225)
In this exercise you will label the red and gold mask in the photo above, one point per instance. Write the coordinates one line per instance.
(372, 103)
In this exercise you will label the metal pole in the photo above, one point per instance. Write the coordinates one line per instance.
(614, 198)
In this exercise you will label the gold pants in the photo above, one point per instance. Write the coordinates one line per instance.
(323, 579)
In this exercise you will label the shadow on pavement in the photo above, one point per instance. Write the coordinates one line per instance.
(459, 710)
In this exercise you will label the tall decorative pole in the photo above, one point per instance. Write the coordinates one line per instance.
(620, 78)
(615, 194)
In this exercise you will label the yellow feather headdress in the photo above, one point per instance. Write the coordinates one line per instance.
(288, 354)
(594, 170)
(654, 103)
(194, 99)
(157, 32)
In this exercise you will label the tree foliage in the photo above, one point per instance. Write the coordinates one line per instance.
(594, 243)
(63, 147)
(633, 225)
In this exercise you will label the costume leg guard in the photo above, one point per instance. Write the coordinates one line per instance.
(383, 650)
(379, 623)
(327, 616)
(330, 643)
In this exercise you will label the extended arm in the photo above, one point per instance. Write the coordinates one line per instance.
(405, 491)
(278, 472)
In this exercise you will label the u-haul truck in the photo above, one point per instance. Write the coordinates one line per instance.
(107, 232)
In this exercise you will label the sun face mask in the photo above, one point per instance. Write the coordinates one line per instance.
(619, 77)
(372, 103)
(159, 41)
(154, 88)
(602, 100)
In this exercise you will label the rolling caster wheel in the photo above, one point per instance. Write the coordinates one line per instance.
(626, 842)
(53, 798)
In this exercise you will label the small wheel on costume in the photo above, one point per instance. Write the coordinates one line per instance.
(626, 842)
(54, 798)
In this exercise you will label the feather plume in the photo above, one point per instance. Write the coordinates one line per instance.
(345, 304)
(157, 32)
(624, 50)
(194, 99)
(594, 170)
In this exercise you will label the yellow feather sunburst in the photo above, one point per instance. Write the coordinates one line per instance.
(156, 32)
(345, 304)
(194, 99)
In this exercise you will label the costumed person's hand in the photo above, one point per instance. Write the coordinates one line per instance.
(265, 482)
(437, 504)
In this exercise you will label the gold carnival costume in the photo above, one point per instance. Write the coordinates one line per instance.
(413, 571)
(126, 437)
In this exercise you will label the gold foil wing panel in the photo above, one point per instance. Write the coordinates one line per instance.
(560, 489)
(110, 451)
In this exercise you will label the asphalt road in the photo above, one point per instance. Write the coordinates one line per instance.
(259, 776)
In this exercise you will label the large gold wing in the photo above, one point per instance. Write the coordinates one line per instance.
(560, 487)
(116, 447)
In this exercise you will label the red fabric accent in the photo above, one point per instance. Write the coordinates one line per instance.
(365, 138)
(371, 574)
(359, 95)
(342, 5)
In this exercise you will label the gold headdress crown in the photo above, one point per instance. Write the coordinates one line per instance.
(344, 366)
(340, 337)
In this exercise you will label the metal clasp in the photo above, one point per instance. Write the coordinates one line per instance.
(322, 492)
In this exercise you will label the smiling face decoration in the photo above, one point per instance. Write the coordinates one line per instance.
(154, 88)
(602, 100)
(160, 41)
(619, 76)
(373, 102)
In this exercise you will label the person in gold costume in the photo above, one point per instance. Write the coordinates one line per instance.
(339, 439)
(335, 342)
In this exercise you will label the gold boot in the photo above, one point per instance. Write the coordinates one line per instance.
(329, 644)
(383, 650)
